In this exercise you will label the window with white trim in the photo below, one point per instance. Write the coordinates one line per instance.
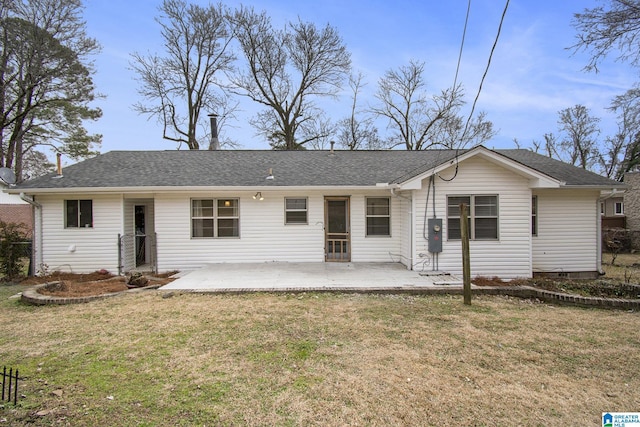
(482, 213)
(78, 213)
(378, 216)
(212, 218)
(618, 208)
(295, 210)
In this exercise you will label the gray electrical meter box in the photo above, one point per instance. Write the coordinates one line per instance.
(435, 235)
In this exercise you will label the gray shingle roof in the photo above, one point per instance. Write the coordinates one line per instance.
(561, 171)
(249, 168)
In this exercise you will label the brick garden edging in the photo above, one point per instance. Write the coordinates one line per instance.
(560, 298)
(32, 296)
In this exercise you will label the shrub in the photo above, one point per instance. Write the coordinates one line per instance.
(13, 241)
(616, 241)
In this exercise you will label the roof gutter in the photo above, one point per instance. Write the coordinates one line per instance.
(30, 200)
(178, 189)
(596, 187)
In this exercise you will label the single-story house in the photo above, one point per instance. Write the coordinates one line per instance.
(179, 210)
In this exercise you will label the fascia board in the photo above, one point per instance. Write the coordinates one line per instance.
(173, 189)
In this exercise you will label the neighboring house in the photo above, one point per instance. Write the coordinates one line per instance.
(612, 211)
(15, 210)
(178, 210)
(632, 206)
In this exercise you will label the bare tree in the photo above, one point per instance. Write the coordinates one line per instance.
(185, 83)
(45, 80)
(579, 145)
(624, 148)
(286, 70)
(551, 145)
(358, 131)
(450, 132)
(602, 30)
(419, 122)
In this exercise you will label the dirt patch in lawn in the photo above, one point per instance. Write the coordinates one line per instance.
(82, 285)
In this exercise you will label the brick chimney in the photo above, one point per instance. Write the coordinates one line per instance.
(215, 143)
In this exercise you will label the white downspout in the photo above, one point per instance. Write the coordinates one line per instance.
(411, 234)
(37, 230)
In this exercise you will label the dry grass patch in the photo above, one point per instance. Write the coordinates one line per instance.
(626, 268)
(318, 359)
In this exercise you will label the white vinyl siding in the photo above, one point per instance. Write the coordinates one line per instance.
(510, 255)
(81, 250)
(567, 232)
(367, 249)
(265, 236)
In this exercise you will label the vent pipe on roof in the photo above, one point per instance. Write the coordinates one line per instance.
(215, 143)
(332, 144)
(59, 164)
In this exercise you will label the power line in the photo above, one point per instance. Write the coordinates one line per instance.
(473, 107)
(464, 33)
(493, 48)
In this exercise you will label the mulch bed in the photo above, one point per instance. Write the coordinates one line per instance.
(82, 285)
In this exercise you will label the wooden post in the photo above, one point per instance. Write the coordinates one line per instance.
(466, 263)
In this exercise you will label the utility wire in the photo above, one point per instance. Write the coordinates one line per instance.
(484, 75)
(464, 33)
(486, 70)
(455, 83)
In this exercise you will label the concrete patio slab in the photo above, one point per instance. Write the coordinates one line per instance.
(285, 276)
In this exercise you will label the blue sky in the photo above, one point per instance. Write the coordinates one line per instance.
(532, 76)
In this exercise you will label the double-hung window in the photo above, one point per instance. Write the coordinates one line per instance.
(295, 210)
(483, 217)
(378, 216)
(78, 213)
(215, 218)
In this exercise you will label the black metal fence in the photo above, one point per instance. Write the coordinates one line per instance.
(10, 385)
